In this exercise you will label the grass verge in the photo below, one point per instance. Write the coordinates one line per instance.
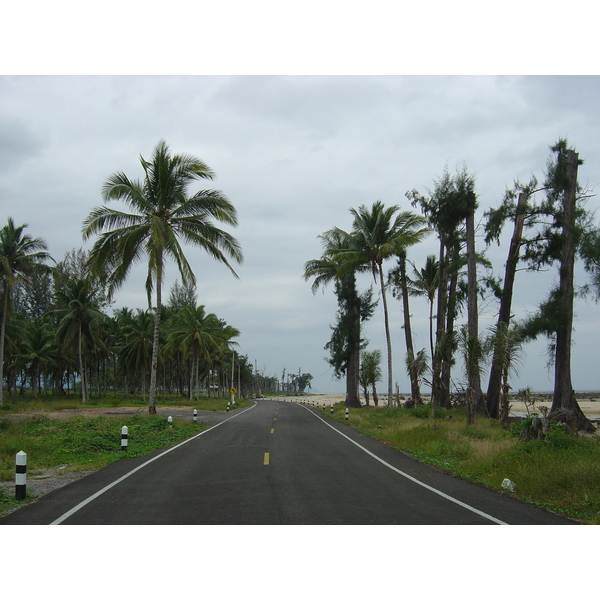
(561, 473)
(81, 444)
(26, 403)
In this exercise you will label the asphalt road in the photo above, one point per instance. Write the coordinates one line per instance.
(276, 463)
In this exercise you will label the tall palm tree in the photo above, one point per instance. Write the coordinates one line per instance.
(77, 310)
(163, 216)
(20, 254)
(377, 234)
(136, 353)
(198, 334)
(37, 350)
(425, 283)
(323, 271)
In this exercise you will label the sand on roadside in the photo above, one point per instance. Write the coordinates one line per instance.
(590, 408)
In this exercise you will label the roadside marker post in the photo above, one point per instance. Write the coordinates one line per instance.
(20, 476)
(228, 407)
(124, 436)
(346, 414)
(170, 420)
(195, 416)
(331, 411)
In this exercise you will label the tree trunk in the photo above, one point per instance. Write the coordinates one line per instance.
(81, 367)
(448, 346)
(436, 359)
(353, 366)
(474, 381)
(2, 332)
(155, 349)
(415, 393)
(563, 400)
(495, 380)
(387, 337)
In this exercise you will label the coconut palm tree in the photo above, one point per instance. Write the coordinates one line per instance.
(136, 352)
(20, 255)
(323, 271)
(425, 283)
(163, 216)
(377, 234)
(37, 350)
(198, 334)
(76, 312)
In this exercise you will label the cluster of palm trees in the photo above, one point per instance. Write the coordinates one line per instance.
(74, 346)
(162, 217)
(378, 233)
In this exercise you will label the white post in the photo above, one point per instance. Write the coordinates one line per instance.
(170, 420)
(124, 435)
(20, 476)
(331, 411)
(346, 414)
(195, 416)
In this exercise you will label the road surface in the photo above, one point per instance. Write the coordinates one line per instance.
(276, 463)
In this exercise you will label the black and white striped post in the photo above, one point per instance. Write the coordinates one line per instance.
(228, 407)
(331, 410)
(195, 416)
(346, 414)
(20, 476)
(124, 438)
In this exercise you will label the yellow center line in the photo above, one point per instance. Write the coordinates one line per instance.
(266, 462)
(273, 430)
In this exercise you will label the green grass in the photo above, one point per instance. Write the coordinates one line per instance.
(26, 403)
(561, 473)
(87, 444)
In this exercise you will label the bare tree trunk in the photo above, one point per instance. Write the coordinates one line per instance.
(2, 332)
(353, 366)
(415, 393)
(155, 349)
(564, 397)
(495, 380)
(387, 337)
(81, 368)
(474, 382)
(448, 345)
(436, 359)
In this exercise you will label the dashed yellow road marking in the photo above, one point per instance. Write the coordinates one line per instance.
(273, 430)
(266, 462)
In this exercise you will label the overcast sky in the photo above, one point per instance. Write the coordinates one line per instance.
(294, 154)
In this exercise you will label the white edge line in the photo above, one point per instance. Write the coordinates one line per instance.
(117, 481)
(431, 489)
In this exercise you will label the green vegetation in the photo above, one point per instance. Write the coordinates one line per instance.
(88, 443)
(561, 473)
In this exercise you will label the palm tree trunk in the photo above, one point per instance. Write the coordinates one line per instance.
(387, 336)
(2, 332)
(81, 367)
(415, 393)
(154, 368)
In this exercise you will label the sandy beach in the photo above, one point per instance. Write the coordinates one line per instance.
(590, 407)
